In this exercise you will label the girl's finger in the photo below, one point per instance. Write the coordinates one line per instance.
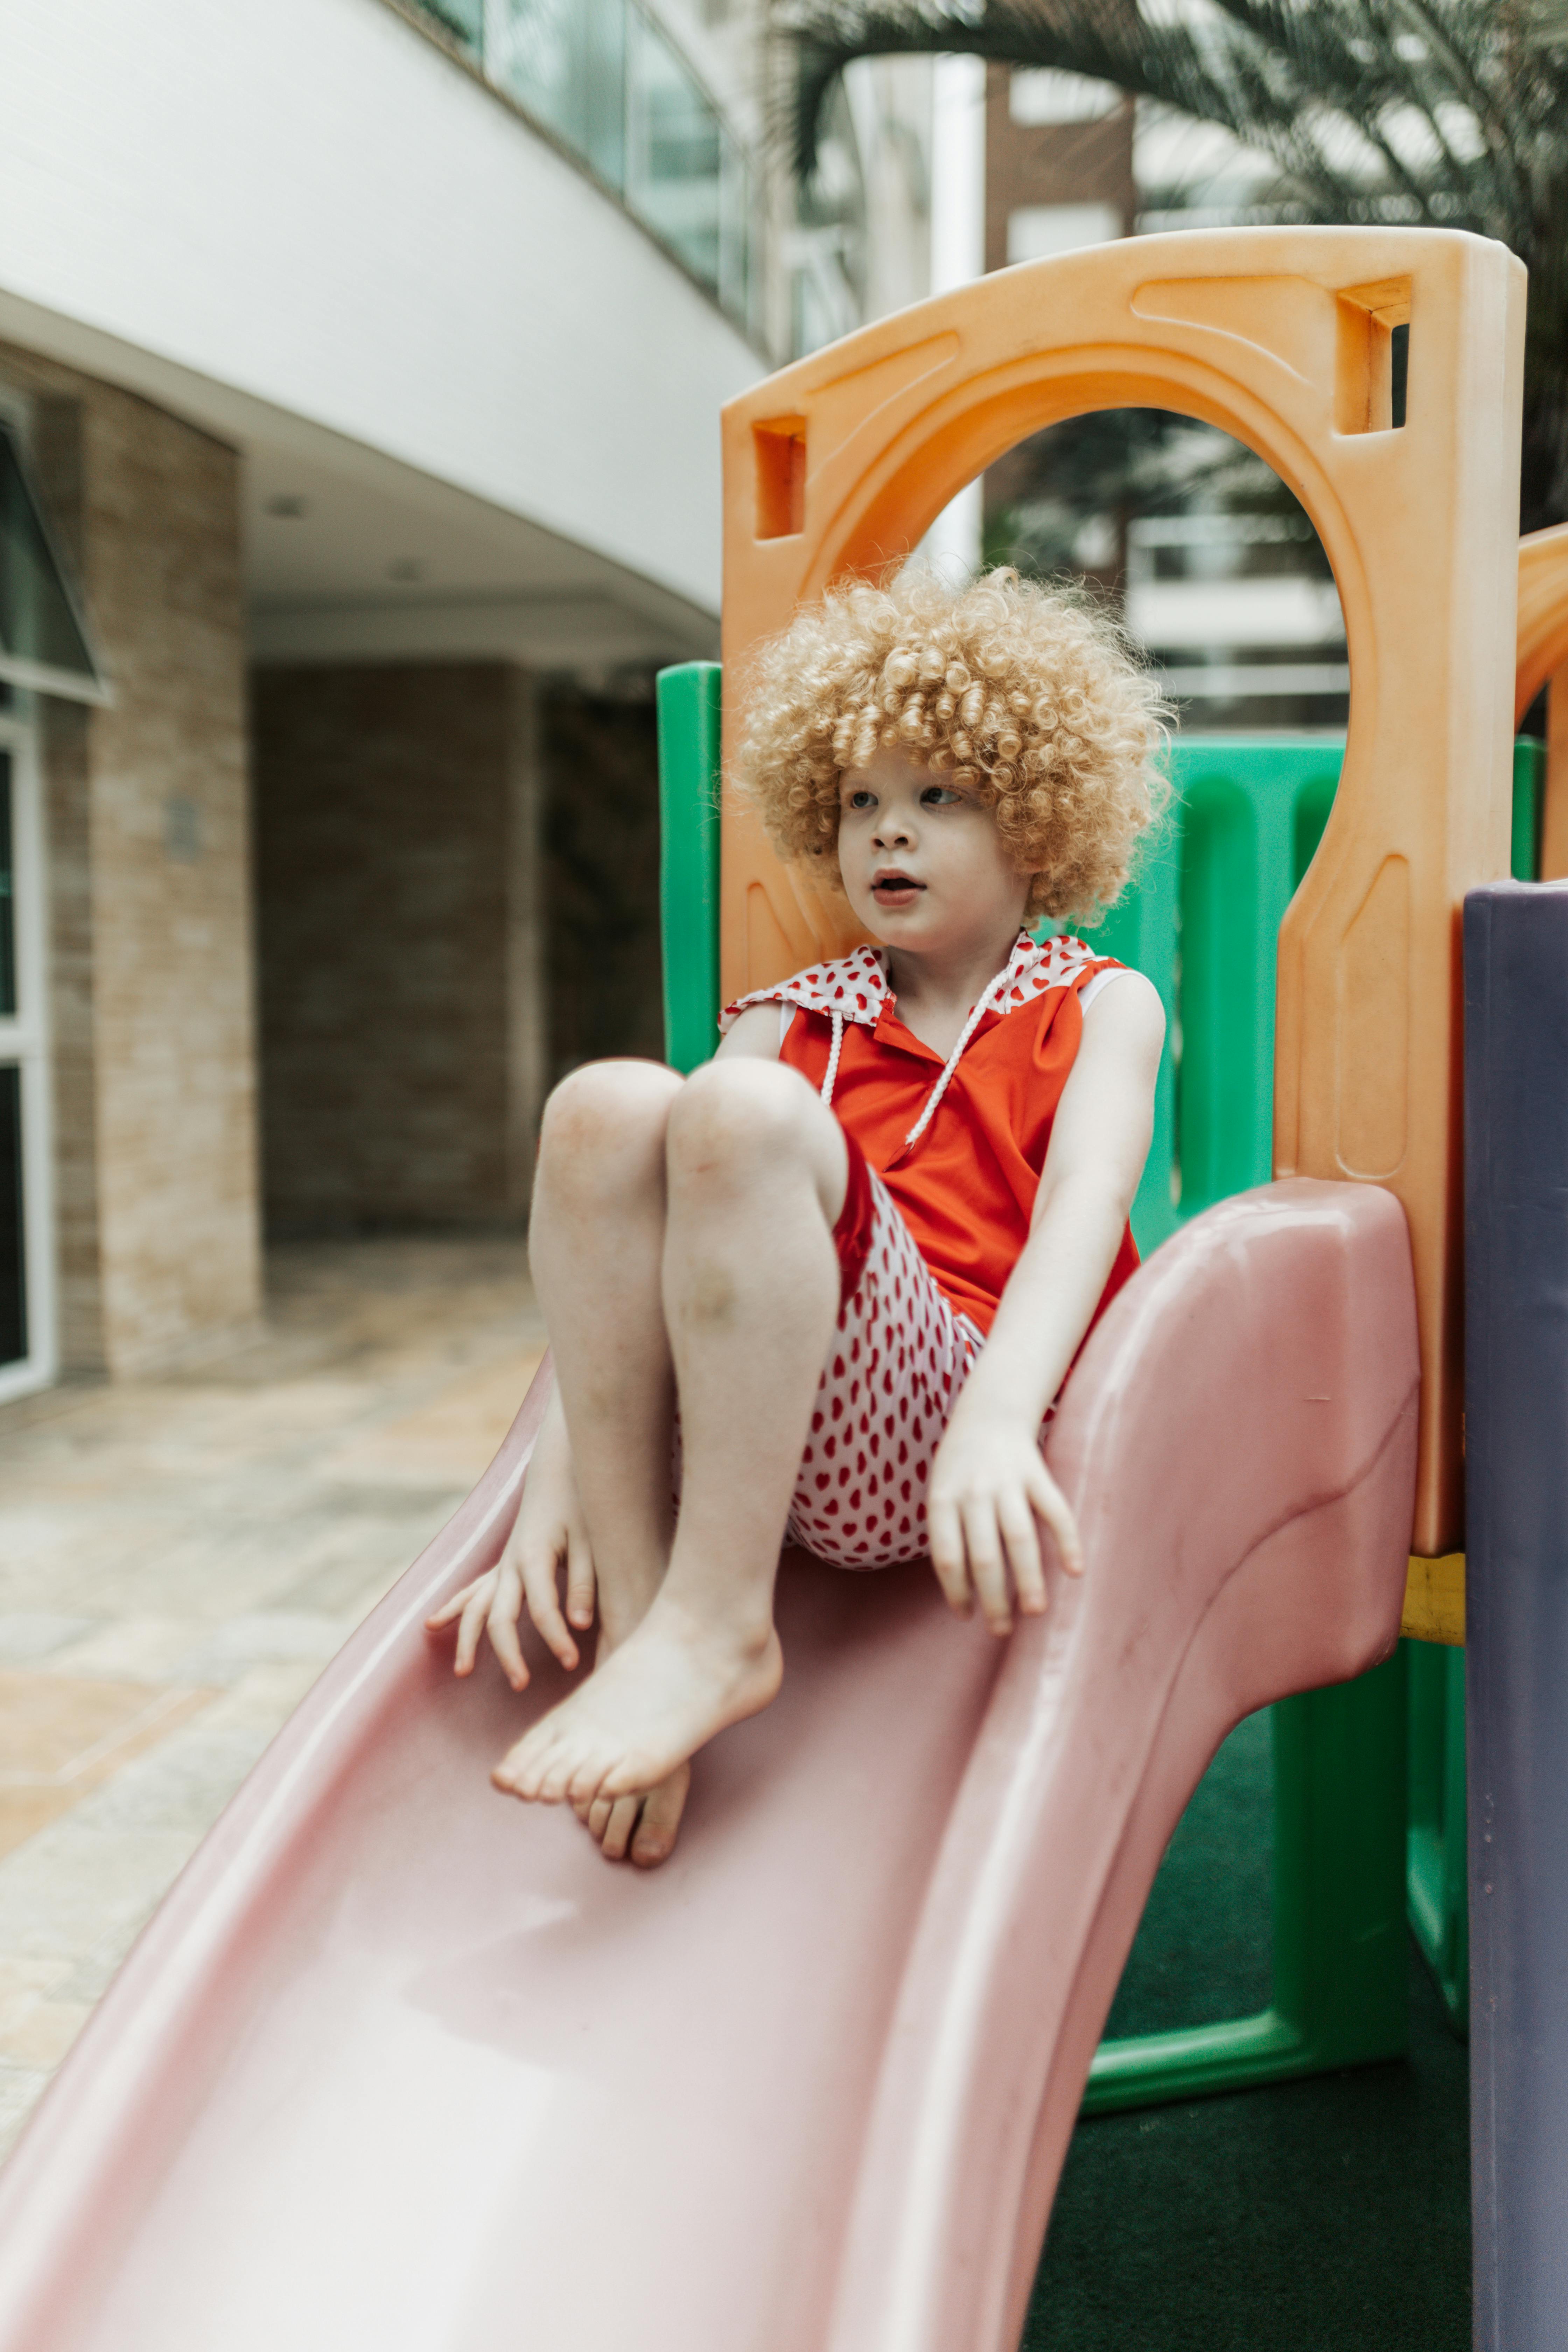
(1053, 1507)
(946, 1535)
(983, 1545)
(502, 1623)
(473, 1625)
(453, 1608)
(1020, 1534)
(581, 1583)
(540, 1566)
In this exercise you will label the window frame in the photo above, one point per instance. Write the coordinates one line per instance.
(25, 1042)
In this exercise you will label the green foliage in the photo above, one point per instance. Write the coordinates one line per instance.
(1434, 113)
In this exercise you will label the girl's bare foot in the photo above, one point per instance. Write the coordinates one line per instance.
(643, 1826)
(646, 1711)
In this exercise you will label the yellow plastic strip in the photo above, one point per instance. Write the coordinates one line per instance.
(1435, 1601)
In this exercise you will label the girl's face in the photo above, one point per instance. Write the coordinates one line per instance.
(921, 859)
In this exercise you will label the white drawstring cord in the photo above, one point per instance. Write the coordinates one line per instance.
(1003, 981)
(838, 1020)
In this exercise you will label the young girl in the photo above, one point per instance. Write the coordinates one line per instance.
(861, 1248)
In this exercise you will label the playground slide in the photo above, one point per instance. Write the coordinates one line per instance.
(401, 2063)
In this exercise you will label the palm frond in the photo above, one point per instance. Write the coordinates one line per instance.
(1444, 113)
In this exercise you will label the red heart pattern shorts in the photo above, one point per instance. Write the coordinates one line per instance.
(899, 1358)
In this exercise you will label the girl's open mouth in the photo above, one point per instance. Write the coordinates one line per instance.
(895, 890)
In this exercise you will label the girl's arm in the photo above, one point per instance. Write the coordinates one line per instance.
(990, 1487)
(757, 1032)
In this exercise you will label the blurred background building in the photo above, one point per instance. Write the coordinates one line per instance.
(1220, 572)
(360, 370)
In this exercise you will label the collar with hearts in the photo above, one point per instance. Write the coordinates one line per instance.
(854, 989)
(855, 986)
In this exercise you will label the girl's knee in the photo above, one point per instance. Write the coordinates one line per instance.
(604, 1108)
(731, 1117)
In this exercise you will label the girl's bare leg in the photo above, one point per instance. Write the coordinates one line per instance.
(756, 1173)
(596, 1249)
(596, 1245)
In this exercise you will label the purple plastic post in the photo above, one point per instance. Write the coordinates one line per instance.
(1516, 1387)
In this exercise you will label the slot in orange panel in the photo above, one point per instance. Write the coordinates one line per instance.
(780, 476)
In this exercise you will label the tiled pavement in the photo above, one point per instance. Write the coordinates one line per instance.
(179, 1558)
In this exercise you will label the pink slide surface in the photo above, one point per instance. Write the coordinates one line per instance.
(401, 2063)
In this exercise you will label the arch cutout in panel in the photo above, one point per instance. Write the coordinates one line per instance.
(1281, 338)
(1543, 648)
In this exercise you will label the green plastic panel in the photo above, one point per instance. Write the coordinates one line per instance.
(689, 701)
(1202, 920)
(1339, 1981)
(1528, 804)
(1435, 1856)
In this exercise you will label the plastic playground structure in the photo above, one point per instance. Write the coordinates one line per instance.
(392, 2048)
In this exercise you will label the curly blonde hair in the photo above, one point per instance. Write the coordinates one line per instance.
(1029, 694)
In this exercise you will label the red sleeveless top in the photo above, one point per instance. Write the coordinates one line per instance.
(965, 1184)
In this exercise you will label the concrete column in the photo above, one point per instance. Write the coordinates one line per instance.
(152, 1013)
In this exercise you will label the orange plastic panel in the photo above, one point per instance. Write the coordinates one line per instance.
(1554, 815)
(1281, 337)
(1543, 648)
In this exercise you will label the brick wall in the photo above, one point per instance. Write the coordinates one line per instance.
(401, 991)
(151, 992)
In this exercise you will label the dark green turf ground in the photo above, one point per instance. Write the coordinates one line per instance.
(1330, 2215)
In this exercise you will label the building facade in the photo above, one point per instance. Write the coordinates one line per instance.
(360, 369)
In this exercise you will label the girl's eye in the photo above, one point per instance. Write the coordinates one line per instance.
(938, 796)
(862, 799)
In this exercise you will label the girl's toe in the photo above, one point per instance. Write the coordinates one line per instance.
(563, 1778)
(656, 1831)
(621, 1821)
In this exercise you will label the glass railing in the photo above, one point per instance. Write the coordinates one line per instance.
(606, 79)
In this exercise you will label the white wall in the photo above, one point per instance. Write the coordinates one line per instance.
(305, 205)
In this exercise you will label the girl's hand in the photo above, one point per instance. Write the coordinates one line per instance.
(549, 1529)
(990, 1494)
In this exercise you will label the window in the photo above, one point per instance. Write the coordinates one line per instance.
(607, 80)
(676, 154)
(43, 642)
